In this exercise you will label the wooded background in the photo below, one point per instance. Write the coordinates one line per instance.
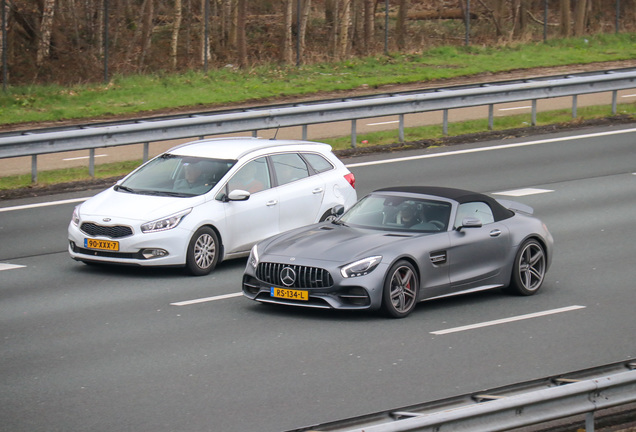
(64, 41)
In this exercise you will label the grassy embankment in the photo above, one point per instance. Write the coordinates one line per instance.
(140, 95)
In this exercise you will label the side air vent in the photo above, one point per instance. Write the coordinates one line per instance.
(438, 257)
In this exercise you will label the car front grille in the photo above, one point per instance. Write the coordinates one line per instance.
(95, 230)
(303, 276)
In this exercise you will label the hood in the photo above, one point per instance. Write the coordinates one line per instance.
(116, 205)
(331, 242)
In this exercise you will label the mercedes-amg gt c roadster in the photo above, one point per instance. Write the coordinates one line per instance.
(398, 246)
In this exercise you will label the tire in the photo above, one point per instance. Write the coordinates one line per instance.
(328, 216)
(529, 268)
(401, 287)
(203, 252)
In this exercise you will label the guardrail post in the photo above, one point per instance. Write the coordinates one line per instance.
(91, 162)
(354, 136)
(491, 115)
(34, 169)
(145, 155)
(574, 105)
(445, 123)
(614, 101)
(589, 422)
(304, 132)
(254, 134)
(534, 112)
(401, 128)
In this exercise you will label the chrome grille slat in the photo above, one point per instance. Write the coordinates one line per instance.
(306, 277)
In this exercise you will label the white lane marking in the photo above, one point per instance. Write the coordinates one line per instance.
(83, 157)
(207, 299)
(4, 266)
(499, 147)
(507, 320)
(515, 108)
(383, 123)
(629, 96)
(44, 204)
(523, 192)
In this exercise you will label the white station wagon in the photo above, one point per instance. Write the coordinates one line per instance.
(210, 200)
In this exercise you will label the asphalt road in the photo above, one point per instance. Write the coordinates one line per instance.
(124, 349)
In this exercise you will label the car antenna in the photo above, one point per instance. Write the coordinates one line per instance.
(275, 134)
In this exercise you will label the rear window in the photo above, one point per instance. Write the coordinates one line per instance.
(318, 162)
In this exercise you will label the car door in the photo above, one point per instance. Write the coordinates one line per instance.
(300, 193)
(477, 253)
(256, 218)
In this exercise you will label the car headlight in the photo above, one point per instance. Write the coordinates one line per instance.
(360, 267)
(166, 223)
(75, 217)
(253, 259)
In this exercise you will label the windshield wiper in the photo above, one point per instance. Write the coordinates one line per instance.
(125, 188)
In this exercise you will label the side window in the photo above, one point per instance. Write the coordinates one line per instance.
(289, 167)
(479, 210)
(318, 162)
(252, 177)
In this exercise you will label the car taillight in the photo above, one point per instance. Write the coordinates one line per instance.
(351, 179)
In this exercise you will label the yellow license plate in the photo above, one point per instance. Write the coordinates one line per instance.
(290, 294)
(101, 244)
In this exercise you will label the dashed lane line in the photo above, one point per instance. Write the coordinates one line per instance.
(507, 320)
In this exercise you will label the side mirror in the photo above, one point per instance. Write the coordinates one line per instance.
(469, 222)
(338, 210)
(238, 195)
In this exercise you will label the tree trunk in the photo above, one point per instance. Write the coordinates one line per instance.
(176, 26)
(401, 24)
(566, 26)
(369, 25)
(46, 27)
(343, 33)
(580, 17)
(241, 32)
(302, 31)
(288, 13)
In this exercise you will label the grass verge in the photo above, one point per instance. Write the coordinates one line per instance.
(144, 94)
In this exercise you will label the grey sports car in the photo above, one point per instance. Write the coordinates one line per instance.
(398, 246)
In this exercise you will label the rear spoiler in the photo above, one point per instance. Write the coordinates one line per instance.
(516, 206)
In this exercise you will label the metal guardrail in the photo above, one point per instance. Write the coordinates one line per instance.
(554, 398)
(145, 131)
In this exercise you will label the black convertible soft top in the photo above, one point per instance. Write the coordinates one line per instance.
(459, 195)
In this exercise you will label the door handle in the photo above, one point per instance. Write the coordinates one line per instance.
(317, 190)
(271, 203)
(495, 233)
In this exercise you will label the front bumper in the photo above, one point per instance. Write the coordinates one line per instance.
(169, 248)
(360, 293)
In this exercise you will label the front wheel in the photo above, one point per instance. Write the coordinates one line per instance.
(529, 269)
(400, 290)
(203, 252)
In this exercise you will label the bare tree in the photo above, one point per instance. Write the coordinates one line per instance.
(241, 43)
(46, 27)
(369, 25)
(343, 29)
(176, 26)
(302, 31)
(581, 15)
(566, 18)
(287, 31)
(401, 24)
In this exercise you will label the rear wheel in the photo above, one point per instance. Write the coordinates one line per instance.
(529, 269)
(203, 252)
(400, 290)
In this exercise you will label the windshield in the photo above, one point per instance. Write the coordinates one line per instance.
(172, 175)
(398, 213)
